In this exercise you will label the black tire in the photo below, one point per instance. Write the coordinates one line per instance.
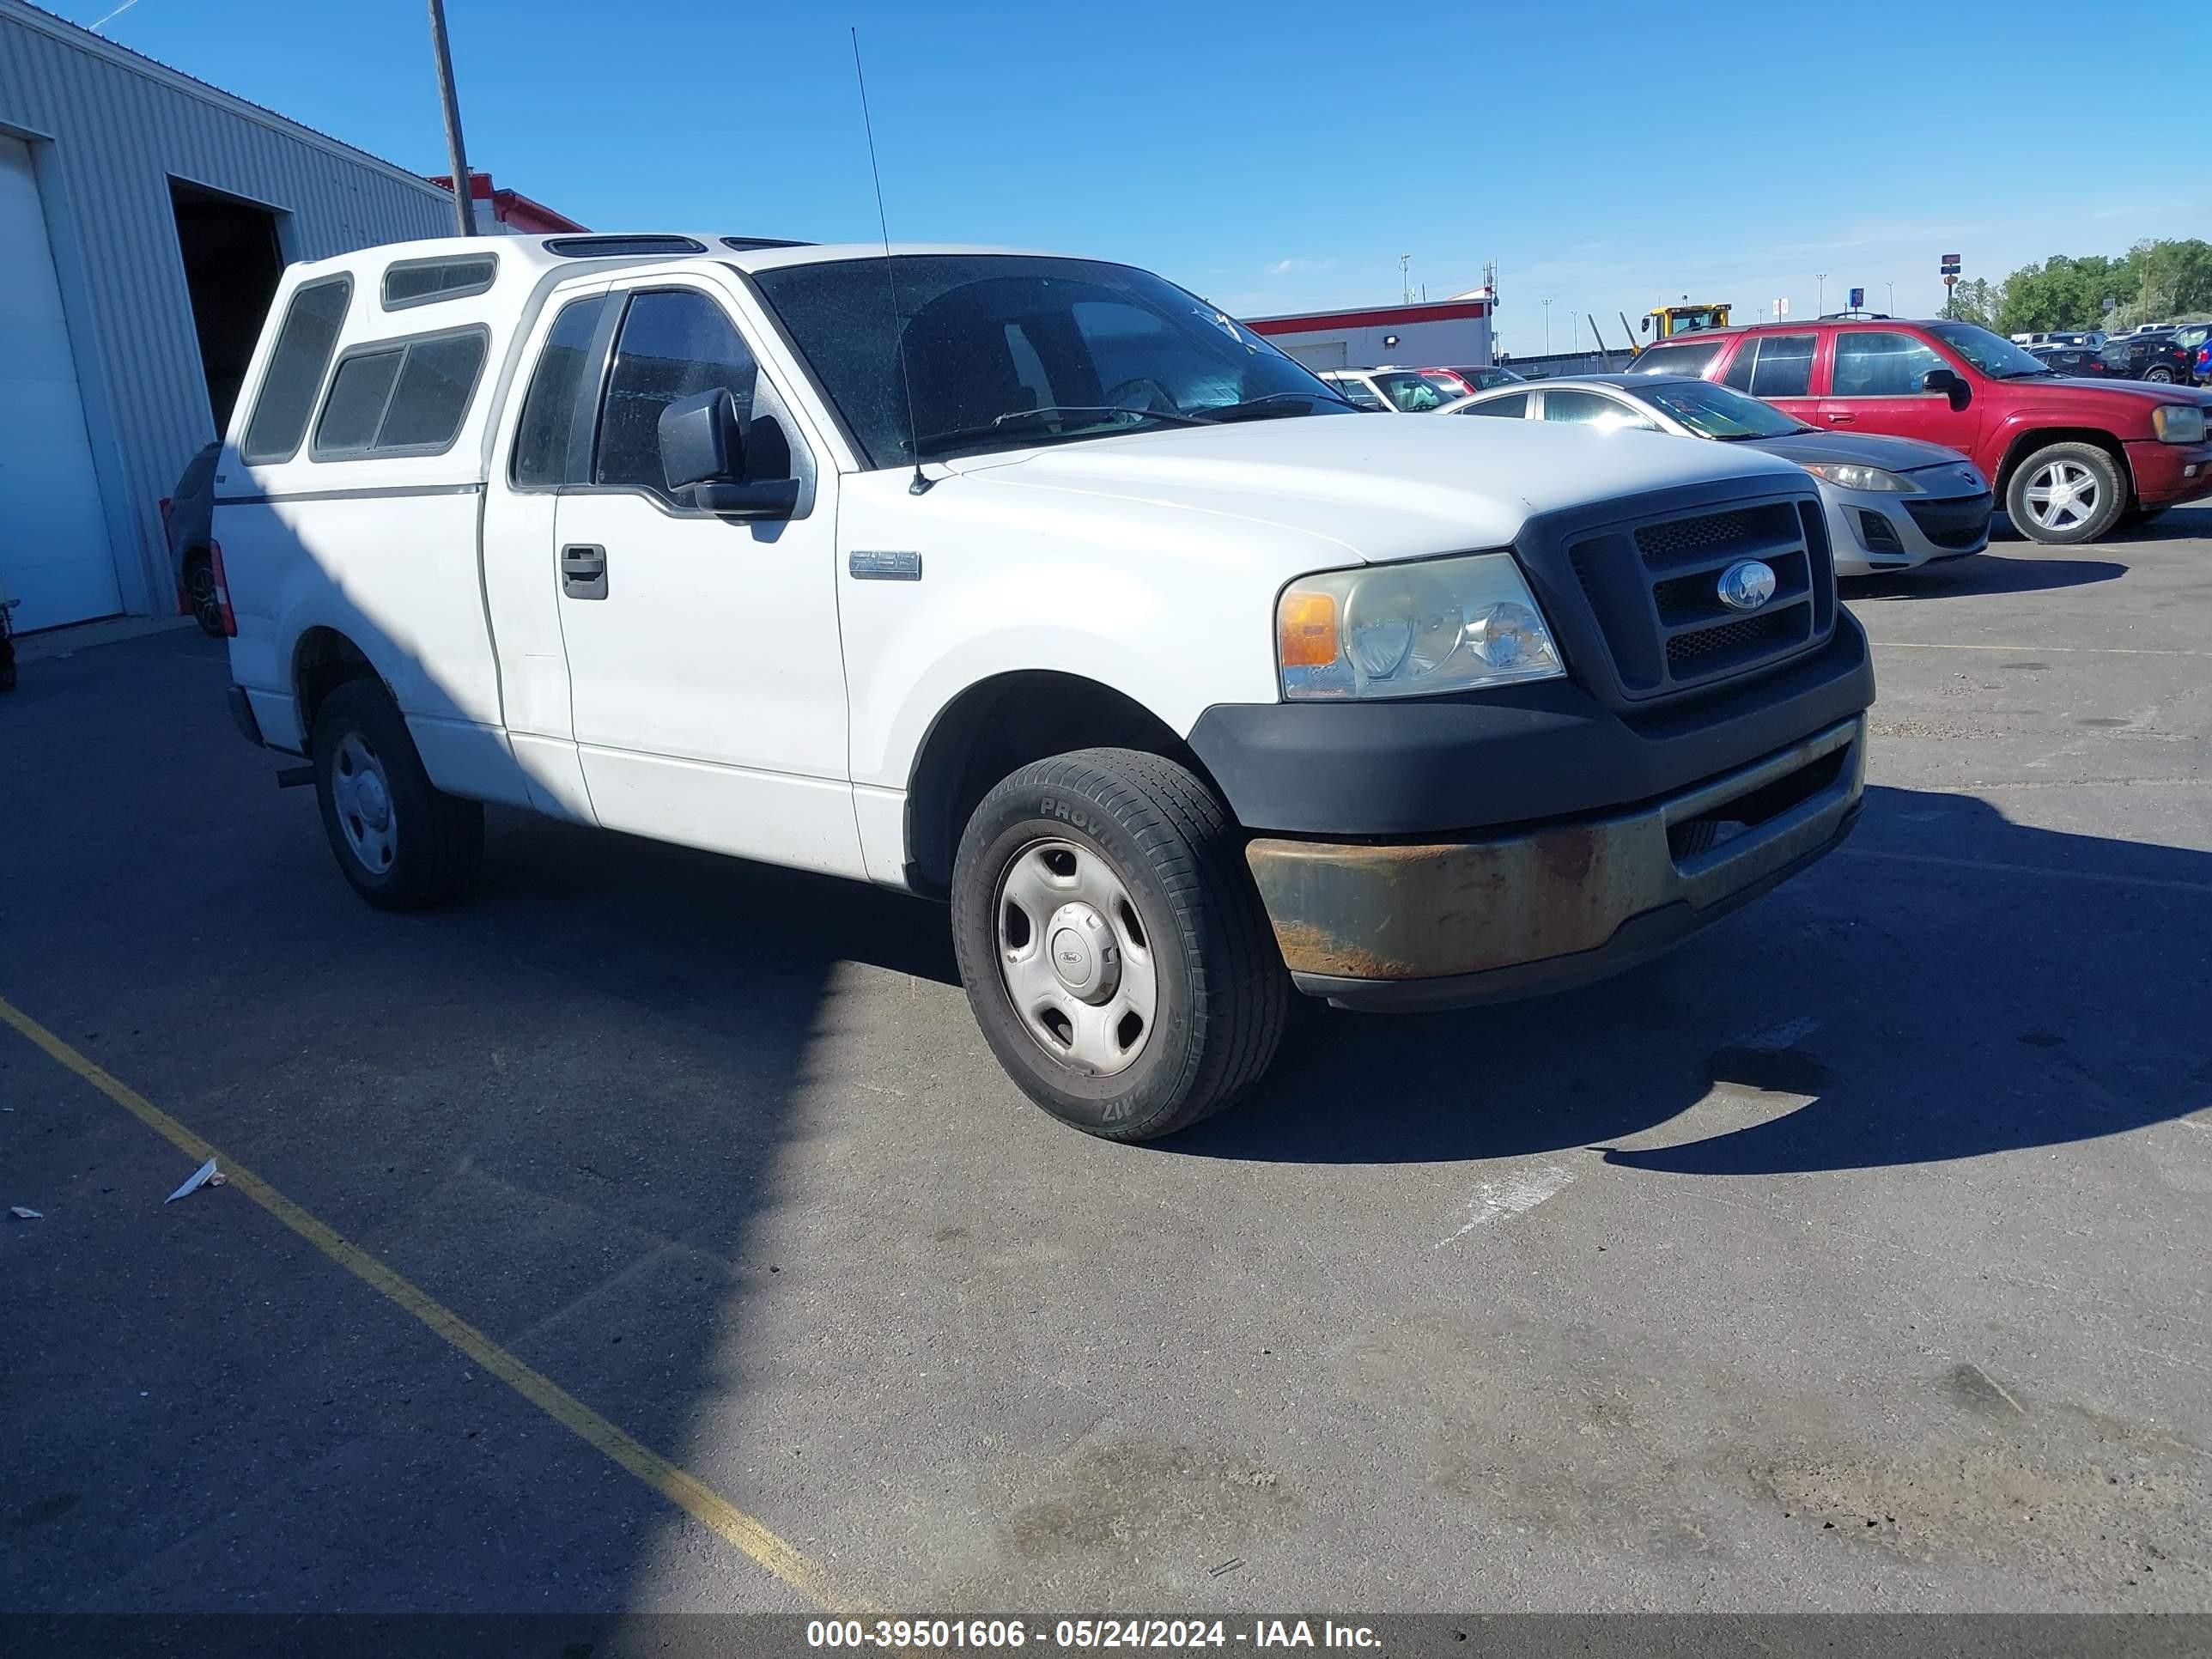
(437, 846)
(2111, 498)
(2158, 375)
(199, 589)
(1222, 993)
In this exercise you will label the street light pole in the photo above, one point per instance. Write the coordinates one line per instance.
(1820, 300)
(1892, 287)
(457, 153)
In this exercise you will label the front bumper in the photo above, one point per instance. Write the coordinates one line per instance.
(1876, 530)
(2168, 474)
(1448, 925)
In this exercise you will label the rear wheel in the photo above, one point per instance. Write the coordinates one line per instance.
(1114, 950)
(403, 843)
(199, 589)
(2159, 373)
(2065, 494)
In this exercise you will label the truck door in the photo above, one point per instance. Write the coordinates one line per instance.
(1874, 387)
(705, 674)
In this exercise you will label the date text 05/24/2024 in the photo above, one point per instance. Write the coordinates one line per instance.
(1085, 1634)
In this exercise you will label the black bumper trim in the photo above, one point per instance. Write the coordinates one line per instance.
(1435, 766)
(1636, 941)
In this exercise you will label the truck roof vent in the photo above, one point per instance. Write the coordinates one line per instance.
(619, 247)
(745, 243)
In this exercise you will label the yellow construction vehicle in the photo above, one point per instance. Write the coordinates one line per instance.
(1665, 322)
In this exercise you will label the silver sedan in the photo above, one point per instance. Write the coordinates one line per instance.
(1892, 503)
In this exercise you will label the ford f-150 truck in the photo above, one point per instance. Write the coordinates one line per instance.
(1033, 584)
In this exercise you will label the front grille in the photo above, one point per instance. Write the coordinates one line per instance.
(1712, 649)
(1962, 521)
(1654, 590)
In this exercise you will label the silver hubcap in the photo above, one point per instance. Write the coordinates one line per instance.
(363, 796)
(1074, 957)
(2063, 495)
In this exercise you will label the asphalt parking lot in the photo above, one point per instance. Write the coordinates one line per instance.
(1853, 1257)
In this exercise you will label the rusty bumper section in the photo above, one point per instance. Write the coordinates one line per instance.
(1463, 922)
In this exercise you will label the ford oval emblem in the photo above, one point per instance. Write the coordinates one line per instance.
(1746, 585)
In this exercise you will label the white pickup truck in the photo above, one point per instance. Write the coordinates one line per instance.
(1035, 584)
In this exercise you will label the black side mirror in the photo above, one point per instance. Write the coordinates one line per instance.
(702, 449)
(1949, 382)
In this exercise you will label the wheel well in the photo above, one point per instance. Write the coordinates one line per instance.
(998, 726)
(324, 660)
(2029, 442)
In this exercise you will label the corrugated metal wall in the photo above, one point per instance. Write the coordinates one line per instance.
(108, 130)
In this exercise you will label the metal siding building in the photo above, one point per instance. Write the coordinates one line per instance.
(138, 171)
(1431, 334)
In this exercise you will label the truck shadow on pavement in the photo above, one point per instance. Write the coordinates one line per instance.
(1949, 985)
(1979, 574)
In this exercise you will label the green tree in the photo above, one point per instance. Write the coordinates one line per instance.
(1980, 301)
(2061, 294)
(2154, 280)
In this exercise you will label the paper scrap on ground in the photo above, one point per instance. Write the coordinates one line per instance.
(199, 1179)
(1495, 1199)
(22, 1214)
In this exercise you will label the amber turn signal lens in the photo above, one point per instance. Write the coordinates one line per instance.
(1306, 630)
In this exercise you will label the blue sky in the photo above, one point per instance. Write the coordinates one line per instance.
(1282, 156)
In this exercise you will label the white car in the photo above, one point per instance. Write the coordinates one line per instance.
(1892, 503)
(1390, 390)
(1052, 591)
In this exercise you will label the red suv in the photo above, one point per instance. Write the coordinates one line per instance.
(2069, 458)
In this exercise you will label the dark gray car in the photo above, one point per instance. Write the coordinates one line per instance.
(187, 515)
(1892, 502)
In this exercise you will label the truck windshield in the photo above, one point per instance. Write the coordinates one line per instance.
(1006, 351)
(1996, 357)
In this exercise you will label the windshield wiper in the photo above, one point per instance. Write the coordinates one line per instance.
(1015, 419)
(1274, 403)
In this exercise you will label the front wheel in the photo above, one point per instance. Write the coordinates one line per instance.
(403, 843)
(1113, 948)
(2065, 494)
(2158, 375)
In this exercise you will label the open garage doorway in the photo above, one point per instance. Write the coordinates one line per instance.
(232, 262)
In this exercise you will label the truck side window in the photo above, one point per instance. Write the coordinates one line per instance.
(303, 351)
(409, 398)
(1881, 365)
(674, 344)
(1784, 368)
(549, 408)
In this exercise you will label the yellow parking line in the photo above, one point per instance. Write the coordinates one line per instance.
(684, 1490)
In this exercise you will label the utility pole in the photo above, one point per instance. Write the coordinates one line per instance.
(1405, 282)
(457, 153)
(1820, 300)
(1548, 328)
(1892, 287)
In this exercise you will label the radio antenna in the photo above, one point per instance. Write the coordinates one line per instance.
(922, 480)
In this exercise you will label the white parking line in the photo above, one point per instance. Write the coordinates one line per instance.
(1515, 1194)
(2039, 650)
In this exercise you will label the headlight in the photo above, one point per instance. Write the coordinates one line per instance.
(1849, 475)
(2178, 423)
(1406, 630)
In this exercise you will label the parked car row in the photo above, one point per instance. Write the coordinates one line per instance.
(2070, 458)
(2166, 358)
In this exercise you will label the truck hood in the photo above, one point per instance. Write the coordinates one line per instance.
(1382, 489)
(1892, 455)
